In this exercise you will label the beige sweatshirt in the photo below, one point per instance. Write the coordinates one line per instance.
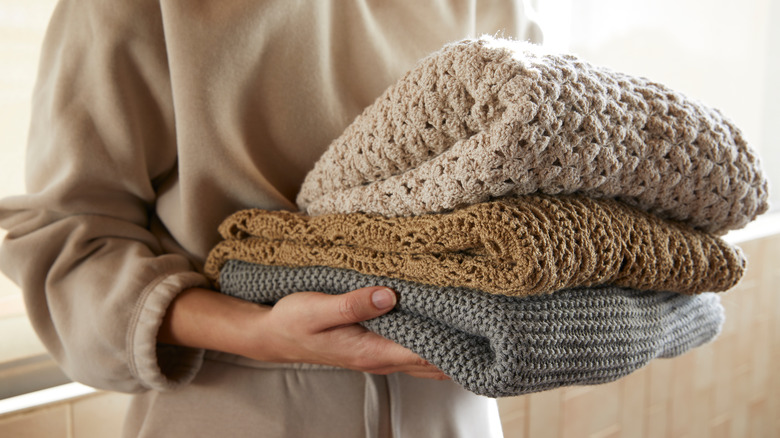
(154, 120)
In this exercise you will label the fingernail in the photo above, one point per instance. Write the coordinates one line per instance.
(383, 299)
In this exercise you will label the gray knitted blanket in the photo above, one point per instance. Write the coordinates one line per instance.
(498, 346)
(488, 118)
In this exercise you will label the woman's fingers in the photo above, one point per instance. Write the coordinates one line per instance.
(371, 352)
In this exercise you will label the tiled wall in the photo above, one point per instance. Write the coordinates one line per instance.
(97, 415)
(724, 389)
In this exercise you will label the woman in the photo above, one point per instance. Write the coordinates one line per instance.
(153, 121)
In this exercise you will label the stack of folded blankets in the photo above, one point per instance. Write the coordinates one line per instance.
(545, 222)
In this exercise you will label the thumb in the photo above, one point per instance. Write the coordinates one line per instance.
(356, 306)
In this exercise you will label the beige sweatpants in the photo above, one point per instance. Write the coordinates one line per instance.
(234, 397)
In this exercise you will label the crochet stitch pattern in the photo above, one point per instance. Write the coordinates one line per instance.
(520, 246)
(487, 118)
(498, 346)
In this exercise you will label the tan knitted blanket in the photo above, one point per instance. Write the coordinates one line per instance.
(487, 118)
(513, 246)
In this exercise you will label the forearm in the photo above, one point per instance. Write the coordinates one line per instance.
(201, 318)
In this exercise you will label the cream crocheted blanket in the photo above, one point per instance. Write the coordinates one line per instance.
(513, 246)
(486, 118)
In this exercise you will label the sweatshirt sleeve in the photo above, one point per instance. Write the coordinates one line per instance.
(96, 279)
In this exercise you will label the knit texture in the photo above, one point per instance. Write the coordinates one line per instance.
(498, 346)
(513, 246)
(487, 118)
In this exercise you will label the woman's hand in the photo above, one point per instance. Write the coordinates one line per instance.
(308, 327)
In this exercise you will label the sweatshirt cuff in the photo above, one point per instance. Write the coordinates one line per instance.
(158, 366)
